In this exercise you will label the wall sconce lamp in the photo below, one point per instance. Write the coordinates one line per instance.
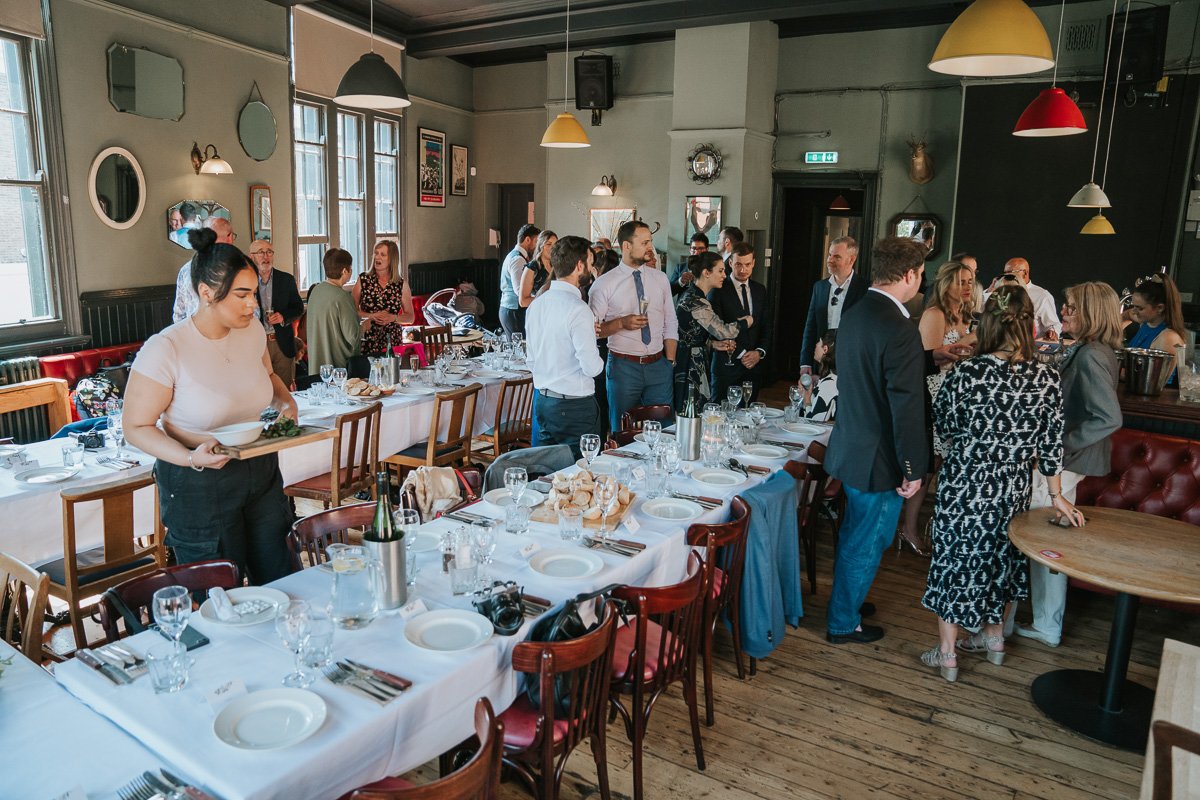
(209, 164)
(607, 186)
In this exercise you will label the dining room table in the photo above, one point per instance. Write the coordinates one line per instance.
(1135, 555)
(358, 739)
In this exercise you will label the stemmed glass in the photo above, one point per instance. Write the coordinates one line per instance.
(483, 541)
(172, 608)
(758, 412)
(292, 623)
(589, 445)
(327, 375)
(114, 408)
(515, 480)
(734, 395)
(651, 432)
(606, 497)
(339, 377)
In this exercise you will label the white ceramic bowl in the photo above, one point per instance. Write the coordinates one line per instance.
(238, 434)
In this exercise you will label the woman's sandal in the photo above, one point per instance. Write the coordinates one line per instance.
(993, 646)
(934, 657)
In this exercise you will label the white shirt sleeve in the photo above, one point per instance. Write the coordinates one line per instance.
(583, 341)
(670, 320)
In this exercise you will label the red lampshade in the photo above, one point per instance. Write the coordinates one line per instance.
(1051, 113)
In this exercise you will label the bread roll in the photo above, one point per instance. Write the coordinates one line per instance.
(623, 496)
(581, 498)
(592, 513)
(584, 475)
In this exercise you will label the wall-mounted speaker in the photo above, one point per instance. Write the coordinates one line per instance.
(1145, 45)
(594, 82)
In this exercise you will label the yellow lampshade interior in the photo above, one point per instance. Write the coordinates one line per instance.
(994, 37)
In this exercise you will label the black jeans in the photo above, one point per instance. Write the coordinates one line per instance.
(237, 512)
(564, 421)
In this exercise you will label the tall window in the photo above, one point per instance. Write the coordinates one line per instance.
(356, 160)
(27, 292)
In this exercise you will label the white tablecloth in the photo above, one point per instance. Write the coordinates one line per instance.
(360, 741)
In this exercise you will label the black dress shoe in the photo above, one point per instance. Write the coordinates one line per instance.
(866, 610)
(869, 633)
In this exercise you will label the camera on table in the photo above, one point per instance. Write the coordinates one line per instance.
(501, 603)
(91, 440)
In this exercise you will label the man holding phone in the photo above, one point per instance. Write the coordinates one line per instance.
(1045, 313)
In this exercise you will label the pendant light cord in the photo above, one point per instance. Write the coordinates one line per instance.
(373, 25)
(1116, 87)
(567, 58)
(1103, 78)
(1062, 13)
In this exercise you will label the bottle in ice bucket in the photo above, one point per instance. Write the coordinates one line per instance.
(687, 427)
(386, 544)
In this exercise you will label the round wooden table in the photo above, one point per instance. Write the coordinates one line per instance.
(1135, 555)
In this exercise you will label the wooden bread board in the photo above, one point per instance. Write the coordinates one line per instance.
(544, 513)
(263, 446)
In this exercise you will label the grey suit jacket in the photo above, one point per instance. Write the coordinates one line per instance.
(1091, 410)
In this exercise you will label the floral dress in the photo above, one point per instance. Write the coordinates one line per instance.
(996, 419)
(698, 323)
(372, 298)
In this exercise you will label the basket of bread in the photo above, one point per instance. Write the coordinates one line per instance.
(357, 387)
(579, 490)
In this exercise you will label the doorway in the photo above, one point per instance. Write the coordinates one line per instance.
(810, 212)
(516, 209)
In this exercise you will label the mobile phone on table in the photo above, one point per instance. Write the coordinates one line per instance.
(191, 638)
(1063, 522)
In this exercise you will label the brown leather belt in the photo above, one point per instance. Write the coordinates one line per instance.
(639, 359)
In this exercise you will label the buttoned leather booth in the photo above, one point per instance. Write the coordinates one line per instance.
(1151, 473)
(71, 367)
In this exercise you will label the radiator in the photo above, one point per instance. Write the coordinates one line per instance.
(28, 424)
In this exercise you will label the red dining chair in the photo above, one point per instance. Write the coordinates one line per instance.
(634, 417)
(131, 600)
(621, 438)
(656, 649)
(726, 554)
(539, 739)
(812, 484)
(478, 778)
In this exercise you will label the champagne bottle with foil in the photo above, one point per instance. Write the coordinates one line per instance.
(385, 541)
(687, 427)
(383, 528)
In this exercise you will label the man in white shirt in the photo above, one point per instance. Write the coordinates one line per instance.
(563, 355)
(845, 287)
(1045, 313)
(187, 302)
(633, 304)
(512, 316)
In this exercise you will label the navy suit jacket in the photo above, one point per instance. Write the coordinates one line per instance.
(818, 312)
(286, 300)
(728, 305)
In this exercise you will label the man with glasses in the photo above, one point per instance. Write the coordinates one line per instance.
(830, 298)
(279, 305)
(681, 276)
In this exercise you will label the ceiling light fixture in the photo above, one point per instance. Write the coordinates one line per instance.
(607, 186)
(839, 204)
(1098, 224)
(565, 130)
(209, 164)
(1090, 195)
(994, 37)
(370, 82)
(1052, 112)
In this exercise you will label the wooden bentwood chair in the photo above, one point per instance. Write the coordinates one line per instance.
(513, 426)
(656, 649)
(457, 409)
(536, 737)
(358, 439)
(131, 600)
(1167, 736)
(812, 487)
(435, 340)
(725, 557)
(633, 418)
(24, 596)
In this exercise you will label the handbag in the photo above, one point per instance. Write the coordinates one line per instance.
(565, 625)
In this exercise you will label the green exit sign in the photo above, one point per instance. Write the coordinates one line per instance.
(826, 157)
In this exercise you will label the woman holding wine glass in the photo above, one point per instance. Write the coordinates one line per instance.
(700, 327)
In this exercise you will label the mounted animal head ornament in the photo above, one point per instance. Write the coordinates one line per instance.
(920, 164)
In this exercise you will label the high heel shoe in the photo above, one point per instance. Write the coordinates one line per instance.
(934, 657)
(993, 646)
(917, 547)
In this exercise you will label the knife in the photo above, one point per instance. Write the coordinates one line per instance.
(115, 675)
(696, 498)
(378, 674)
(622, 454)
(158, 783)
(190, 791)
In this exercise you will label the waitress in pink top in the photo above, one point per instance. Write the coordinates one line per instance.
(205, 372)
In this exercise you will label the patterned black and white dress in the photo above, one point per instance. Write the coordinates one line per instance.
(996, 419)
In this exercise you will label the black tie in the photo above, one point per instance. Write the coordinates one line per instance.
(745, 301)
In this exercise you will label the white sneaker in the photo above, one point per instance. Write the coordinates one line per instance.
(1030, 632)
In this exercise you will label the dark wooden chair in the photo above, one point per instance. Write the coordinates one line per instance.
(513, 425)
(24, 597)
(131, 600)
(1167, 736)
(478, 778)
(726, 557)
(435, 339)
(354, 463)
(538, 740)
(812, 490)
(620, 439)
(634, 417)
(316, 532)
(456, 411)
(655, 650)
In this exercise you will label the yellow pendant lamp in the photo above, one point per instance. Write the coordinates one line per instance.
(994, 37)
(1098, 225)
(565, 130)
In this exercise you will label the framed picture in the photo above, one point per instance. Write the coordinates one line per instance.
(702, 215)
(431, 161)
(260, 212)
(458, 170)
(924, 229)
(606, 221)
(188, 214)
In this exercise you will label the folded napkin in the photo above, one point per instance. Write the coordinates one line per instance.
(434, 488)
(222, 604)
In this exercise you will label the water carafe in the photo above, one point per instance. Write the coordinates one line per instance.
(356, 585)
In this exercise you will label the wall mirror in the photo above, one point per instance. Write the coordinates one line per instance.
(117, 188)
(924, 229)
(260, 212)
(145, 83)
(188, 214)
(256, 130)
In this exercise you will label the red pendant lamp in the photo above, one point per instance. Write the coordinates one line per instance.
(1052, 112)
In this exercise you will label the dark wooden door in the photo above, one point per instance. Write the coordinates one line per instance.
(516, 209)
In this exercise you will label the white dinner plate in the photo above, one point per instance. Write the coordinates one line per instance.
(488, 373)
(672, 509)
(662, 437)
(764, 451)
(426, 542)
(600, 466)
(772, 413)
(500, 497)
(47, 474)
(803, 428)
(415, 391)
(448, 630)
(566, 563)
(241, 595)
(7, 450)
(270, 719)
(718, 477)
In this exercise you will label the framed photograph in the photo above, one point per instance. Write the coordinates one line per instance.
(702, 215)
(606, 221)
(458, 170)
(431, 161)
(924, 229)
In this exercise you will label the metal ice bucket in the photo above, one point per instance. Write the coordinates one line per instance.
(1147, 371)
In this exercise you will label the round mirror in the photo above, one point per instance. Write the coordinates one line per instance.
(256, 130)
(117, 188)
(704, 163)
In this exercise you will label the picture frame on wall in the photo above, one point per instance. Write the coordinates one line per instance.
(458, 170)
(431, 167)
(702, 214)
(606, 221)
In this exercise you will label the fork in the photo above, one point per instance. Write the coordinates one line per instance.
(341, 677)
(137, 789)
(592, 544)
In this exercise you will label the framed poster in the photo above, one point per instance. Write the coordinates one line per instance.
(606, 221)
(702, 215)
(458, 170)
(431, 160)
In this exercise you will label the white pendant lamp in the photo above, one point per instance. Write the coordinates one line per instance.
(1099, 224)
(1090, 195)
(370, 82)
(994, 37)
(565, 130)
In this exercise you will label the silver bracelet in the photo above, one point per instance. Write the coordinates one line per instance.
(192, 464)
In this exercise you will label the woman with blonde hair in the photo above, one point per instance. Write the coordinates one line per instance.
(537, 272)
(383, 297)
(1091, 413)
(999, 413)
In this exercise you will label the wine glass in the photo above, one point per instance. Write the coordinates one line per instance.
(747, 391)
(339, 377)
(589, 445)
(795, 394)
(483, 540)
(734, 395)
(326, 374)
(293, 624)
(758, 412)
(113, 408)
(651, 432)
(516, 479)
(172, 608)
(729, 352)
(606, 497)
